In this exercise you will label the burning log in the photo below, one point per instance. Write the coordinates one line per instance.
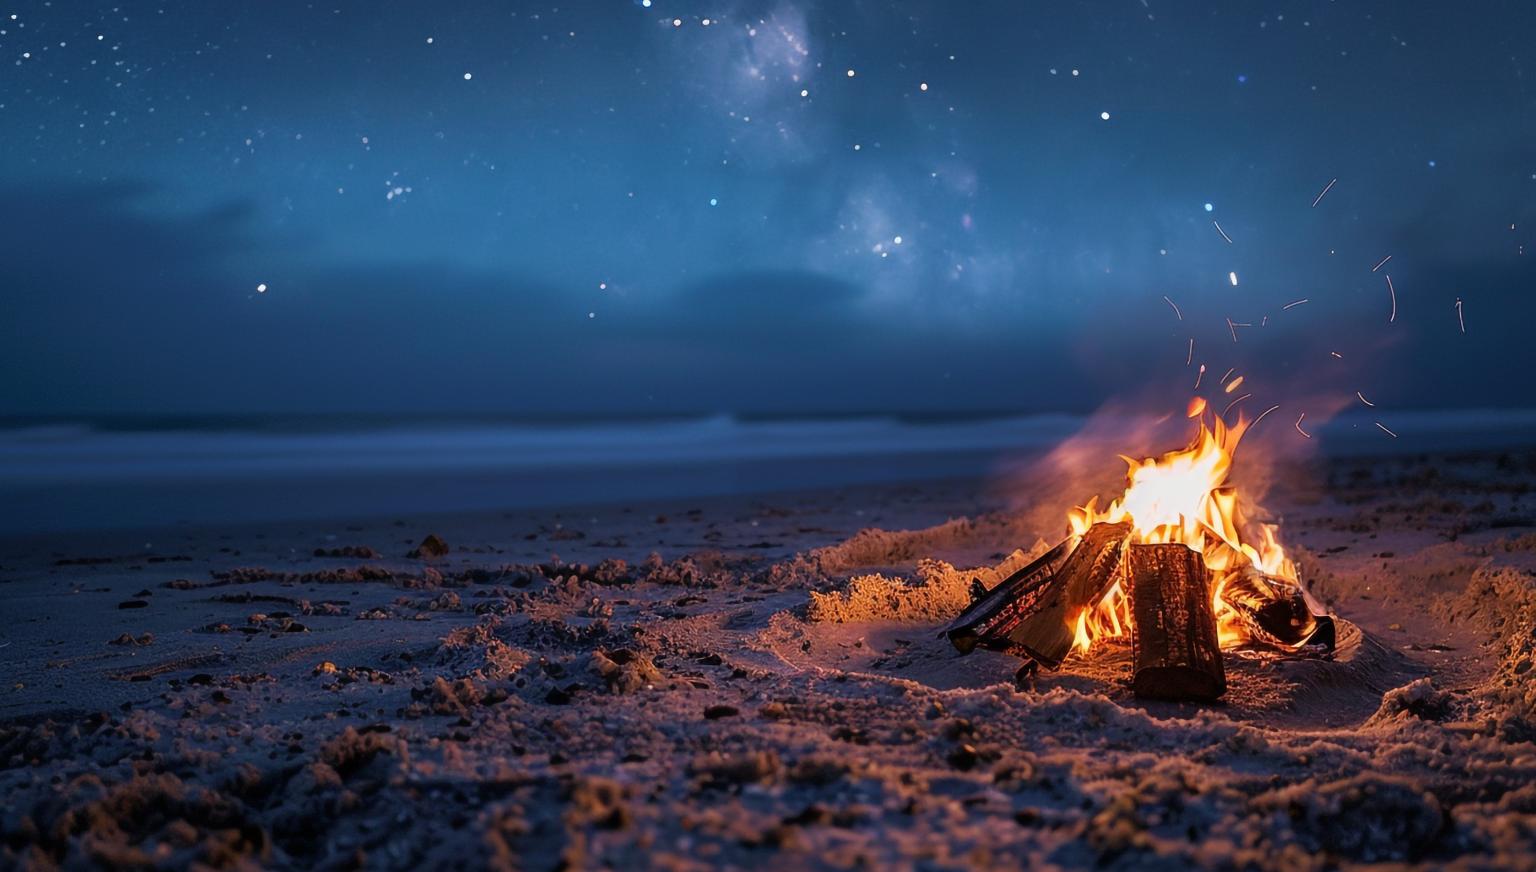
(1032, 609)
(1047, 633)
(1277, 613)
(989, 619)
(1174, 645)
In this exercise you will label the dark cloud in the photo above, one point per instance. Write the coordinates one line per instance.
(754, 303)
(148, 315)
(121, 308)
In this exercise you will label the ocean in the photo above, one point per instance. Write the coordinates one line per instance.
(60, 475)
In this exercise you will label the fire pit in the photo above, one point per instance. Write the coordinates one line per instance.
(1173, 564)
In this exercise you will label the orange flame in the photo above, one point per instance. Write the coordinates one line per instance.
(1182, 497)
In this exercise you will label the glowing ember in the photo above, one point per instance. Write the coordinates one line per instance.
(1182, 497)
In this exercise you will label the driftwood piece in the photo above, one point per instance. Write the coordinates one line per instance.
(1277, 613)
(1174, 645)
(1047, 633)
(988, 619)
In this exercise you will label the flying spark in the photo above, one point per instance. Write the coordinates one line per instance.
(1385, 430)
(1262, 414)
(1336, 354)
(1459, 319)
(1364, 400)
(1393, 291)
(1294, 303)
(1232, 327)
(1234, 385)
(1223, 233)
(1382, 264)
(1175, 307)
(1319, 199)
(262, 289)
(1304, 414)
(1232, 277)
(1226, 375)
(1188, 358)
(1199, 375)
(1233, 403)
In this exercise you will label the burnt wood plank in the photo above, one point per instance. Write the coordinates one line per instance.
(1001, 608)
(1174, 644)
(1047, 632)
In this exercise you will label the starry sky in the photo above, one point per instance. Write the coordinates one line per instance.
(630, 207)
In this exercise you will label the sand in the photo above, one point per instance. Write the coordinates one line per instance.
(756, 682)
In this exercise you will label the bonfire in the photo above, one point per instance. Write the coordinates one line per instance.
(1173, 564)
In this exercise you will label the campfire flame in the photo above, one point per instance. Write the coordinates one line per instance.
(1183, 497)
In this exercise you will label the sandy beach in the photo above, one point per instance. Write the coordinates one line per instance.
(757, 682)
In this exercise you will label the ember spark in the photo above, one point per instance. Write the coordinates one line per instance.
(1324, 193)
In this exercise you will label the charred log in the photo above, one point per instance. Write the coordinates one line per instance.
(1277, 613)
(1174, 646)
(1047, 633)
(988, 619)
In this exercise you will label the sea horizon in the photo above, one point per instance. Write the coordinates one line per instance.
(116, 472)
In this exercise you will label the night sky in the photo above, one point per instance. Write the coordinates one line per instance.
(783, 207)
